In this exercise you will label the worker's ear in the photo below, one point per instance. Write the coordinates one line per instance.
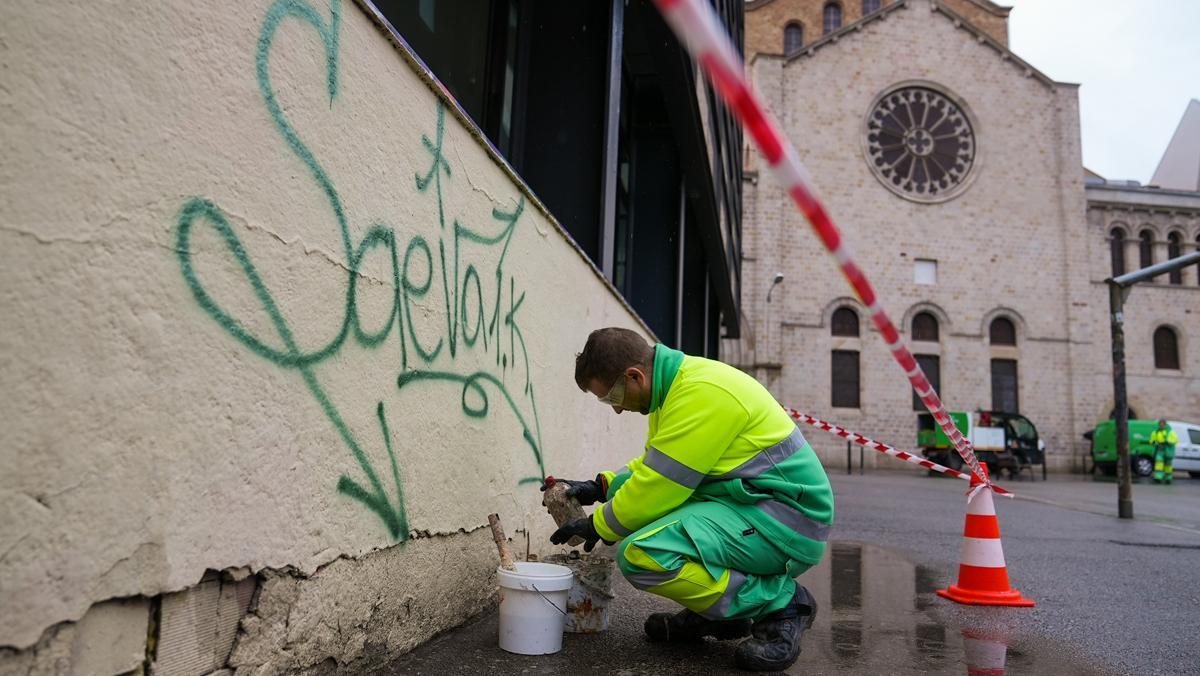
(637, 375)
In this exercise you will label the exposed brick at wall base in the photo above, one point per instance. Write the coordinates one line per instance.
(355, 615)
(351, 616)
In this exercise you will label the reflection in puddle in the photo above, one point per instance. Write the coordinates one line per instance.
(881, 618)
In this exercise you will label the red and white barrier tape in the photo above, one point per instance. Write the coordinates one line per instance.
(697, 26)
(884, 448)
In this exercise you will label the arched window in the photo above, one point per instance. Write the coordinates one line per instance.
(871, 6)
(1166, 348)
(925, 327)
(844, 322)
(1145, 248)
(793, 37)
(1116, 245)
(1002, 332)
(1175, 250)
(832, 17)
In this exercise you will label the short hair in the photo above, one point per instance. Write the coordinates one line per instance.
(1162, 421)
(608, 352)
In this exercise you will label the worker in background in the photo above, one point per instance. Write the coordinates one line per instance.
(726, 505)
(1164, 440)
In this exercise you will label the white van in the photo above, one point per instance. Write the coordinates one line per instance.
(1187, 451)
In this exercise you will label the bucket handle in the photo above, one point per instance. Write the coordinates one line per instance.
(552, 604)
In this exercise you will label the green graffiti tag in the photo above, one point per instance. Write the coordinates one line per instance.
(462, 295)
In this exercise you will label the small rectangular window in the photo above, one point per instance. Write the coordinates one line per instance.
(1004, 385)
(931, 365)
(845, 379)
(1194, 436)
(925, 271)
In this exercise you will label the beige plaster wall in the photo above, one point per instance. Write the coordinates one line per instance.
(267, 304)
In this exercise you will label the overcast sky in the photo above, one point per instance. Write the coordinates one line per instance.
(1138, 63)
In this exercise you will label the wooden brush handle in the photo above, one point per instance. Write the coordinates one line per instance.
(506, 559)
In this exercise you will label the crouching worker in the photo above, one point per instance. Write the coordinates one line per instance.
(725, 507)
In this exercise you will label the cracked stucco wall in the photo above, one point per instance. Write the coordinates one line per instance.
(269, 304)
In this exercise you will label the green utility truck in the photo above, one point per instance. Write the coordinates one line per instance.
(1003, 441)
(1141, 451)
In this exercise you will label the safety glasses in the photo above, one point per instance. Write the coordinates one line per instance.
(616, 395)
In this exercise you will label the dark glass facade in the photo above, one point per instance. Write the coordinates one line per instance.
(597, 106)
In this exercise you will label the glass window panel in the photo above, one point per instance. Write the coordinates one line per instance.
(1003, 332)
(833, 17)
(1174, 250)
(1116, 245)
(845, 383)
(793, 38)
(931, 365)
(1146, 248)
(925, 327)
(1004, 385)
(1166, 349)
(845, 322)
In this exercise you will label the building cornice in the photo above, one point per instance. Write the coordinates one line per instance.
(1140, 198)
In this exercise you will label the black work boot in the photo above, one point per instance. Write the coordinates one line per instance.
(776, 641)
(688, 626)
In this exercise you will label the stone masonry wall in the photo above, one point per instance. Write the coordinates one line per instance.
(272, 308)
(1152, 392)
(765, 21)
(1000, 246)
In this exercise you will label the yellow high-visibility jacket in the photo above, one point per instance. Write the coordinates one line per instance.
(715, 433)
(1167, 437)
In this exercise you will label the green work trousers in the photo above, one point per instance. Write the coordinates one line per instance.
(708, 558)
(1164, 458)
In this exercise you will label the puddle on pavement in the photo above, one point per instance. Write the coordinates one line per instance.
(879, 614)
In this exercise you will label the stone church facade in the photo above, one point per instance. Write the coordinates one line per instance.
(954, 168)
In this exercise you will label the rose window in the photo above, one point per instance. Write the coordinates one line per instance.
(920, 144)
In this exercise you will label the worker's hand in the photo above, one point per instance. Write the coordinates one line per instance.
(584, 528)
(586, 492)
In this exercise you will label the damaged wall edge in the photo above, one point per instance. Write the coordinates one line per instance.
(352, 615)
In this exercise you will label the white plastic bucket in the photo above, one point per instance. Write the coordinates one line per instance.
(533, 607)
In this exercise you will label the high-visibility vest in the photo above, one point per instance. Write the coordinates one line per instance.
(1166, 436)
(719, 435)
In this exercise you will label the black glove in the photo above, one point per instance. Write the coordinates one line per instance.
(584, 528)
(586, 492)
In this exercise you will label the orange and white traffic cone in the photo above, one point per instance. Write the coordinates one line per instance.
(982, 575)
(985, 655)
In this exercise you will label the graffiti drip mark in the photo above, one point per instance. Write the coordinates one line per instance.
(463, 298)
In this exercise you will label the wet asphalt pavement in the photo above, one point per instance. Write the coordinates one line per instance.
(1112, 596)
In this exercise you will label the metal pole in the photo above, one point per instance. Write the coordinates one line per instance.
(860, 460)
(849, 460)
(1116, 306)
